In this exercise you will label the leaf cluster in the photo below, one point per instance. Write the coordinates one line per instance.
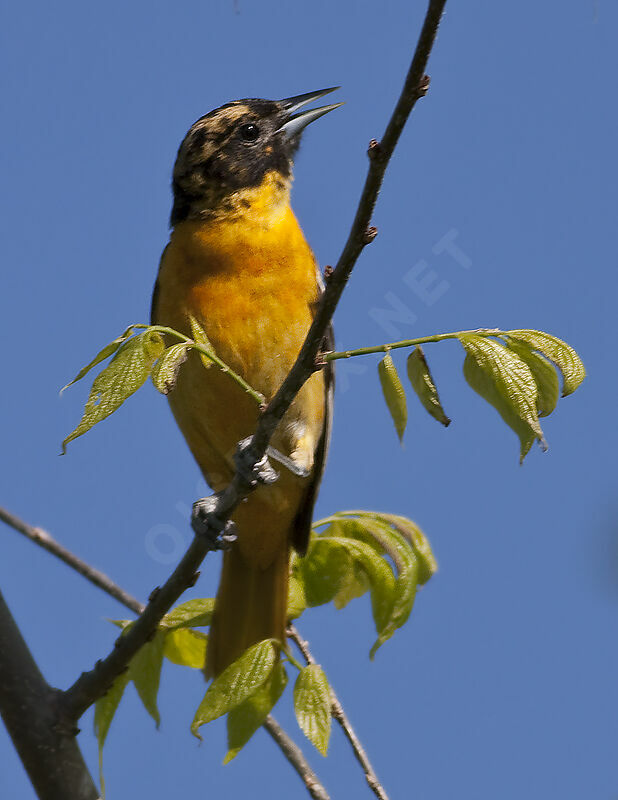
(514, 371)
(350, 553)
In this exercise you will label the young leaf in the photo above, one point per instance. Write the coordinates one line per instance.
(394, 394)
(544, 374)
(244, 720)
(355, 584)
(145, 672)
(312, 705)
(427, 564)
(323, 570)
(423, 385)
(104, 711)
(200, 337)
(504, 381)
(297, 602)
(106, 352)
(236, 683)
(379, 575)
(383, 536)
(401, 540)
(124, 375)
(165, 371)
(192, 614)
(567, 360)
(186, 647)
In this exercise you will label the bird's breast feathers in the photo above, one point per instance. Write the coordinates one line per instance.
(251, 285)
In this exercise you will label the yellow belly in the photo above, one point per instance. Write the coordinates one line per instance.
(252, 287)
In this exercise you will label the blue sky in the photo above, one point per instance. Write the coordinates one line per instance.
(503, 683)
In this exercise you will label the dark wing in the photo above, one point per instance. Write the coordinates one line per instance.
(155, 291)
(304, 518)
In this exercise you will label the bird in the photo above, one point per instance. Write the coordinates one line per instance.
(238, 264)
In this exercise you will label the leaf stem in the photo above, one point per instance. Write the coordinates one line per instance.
(384, 348)
(257, 396)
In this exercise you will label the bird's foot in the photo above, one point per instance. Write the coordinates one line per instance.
(206, 523)
(253, 473)
(289, 463)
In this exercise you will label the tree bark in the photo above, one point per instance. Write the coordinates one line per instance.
(50, 755)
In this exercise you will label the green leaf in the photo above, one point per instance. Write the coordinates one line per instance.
(145, 672)
(354, 585)
(423, 385)
(394, 394)
(192, 614)
(200, 337)
(312, 705)
(165, 371)
(379, 575)
(124, 375)
(504, 381)
(186, 647)
(236, 683)
(566, 359)
(104, 711)
(427, 564)
(323, 570)
(244, 720)
(106, 352)
(544, 374)
(376, 531)
(297, 602)
(404, 543)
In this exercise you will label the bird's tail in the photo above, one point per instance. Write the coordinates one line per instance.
(251, 606)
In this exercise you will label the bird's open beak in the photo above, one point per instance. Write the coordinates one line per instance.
(296, 122)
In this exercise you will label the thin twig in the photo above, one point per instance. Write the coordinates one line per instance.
(295, 756)
(361, 234)
(384, 348)
(340, 716)
(95, 576)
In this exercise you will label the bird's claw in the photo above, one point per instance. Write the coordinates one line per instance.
(253, 473)
(206, 523)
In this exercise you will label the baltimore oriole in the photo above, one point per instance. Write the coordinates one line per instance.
(238, 263)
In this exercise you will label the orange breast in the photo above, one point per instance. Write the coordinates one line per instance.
(252, 287)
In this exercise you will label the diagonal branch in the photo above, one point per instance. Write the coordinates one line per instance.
(295, 756)
(339, 714)
(47, 542)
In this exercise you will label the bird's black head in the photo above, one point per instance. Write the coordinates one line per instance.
(234, 147)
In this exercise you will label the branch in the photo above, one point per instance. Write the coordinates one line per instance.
(295, 756)
(93, 684)
(415, 86)
(47, 542)
(339, 714)
(49, 753)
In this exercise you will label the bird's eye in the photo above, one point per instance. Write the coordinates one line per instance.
(249, 132)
